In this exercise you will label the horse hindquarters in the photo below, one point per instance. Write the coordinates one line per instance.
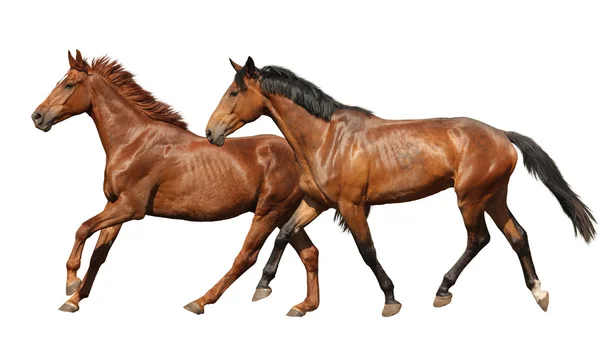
(481, 178)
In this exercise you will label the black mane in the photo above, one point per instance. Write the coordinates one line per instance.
(283, 82)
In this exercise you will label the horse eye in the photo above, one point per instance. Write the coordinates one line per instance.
(233, 93)
(69, 85)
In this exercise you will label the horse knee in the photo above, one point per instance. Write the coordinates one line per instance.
(83, 232)
(252, 258)
(477, 240)
(483, 239)
(283, 237)
(246, 260)
(310, 258)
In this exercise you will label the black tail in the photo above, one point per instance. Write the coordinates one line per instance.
(542, 167)
(342, 223)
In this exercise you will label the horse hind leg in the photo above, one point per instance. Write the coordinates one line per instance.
(262, 226)
(517, 237)
(477, 238)
(309, 255)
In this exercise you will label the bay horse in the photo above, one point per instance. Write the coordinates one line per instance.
(155, 166)
(350, 160)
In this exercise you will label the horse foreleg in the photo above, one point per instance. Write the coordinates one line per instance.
(105, 241)
(355, 217)
(115, 213)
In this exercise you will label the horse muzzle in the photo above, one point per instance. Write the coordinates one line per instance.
(215, 138)
(41, 121)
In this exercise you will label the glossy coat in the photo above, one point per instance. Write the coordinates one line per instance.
(351, 159)
(155, 166)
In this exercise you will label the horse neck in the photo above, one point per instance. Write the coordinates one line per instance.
(304, 132)
(116, 119)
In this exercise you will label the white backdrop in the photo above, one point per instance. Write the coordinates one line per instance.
(530, 68)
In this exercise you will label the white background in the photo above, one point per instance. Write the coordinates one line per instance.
(528, 67)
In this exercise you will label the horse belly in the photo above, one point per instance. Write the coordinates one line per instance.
(403, 184)
(202, 204)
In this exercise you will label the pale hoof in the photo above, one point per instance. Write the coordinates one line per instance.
(297, 313)
(442, 300)
(541, 297)
(69, 307)
(391, 309)
(261, 293)
(544, 300)
(194, 307)
(73, 287)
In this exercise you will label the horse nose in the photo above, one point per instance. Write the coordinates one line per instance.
(37, 118)
(209, 135)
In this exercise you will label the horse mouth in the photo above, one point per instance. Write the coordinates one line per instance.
(220, 140)
(46, 126)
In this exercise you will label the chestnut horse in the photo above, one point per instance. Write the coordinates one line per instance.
(351, 159)
(155, 166)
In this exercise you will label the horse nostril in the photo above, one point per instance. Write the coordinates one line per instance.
(37, 117)
(208, 133)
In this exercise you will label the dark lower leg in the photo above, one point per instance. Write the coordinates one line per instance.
(105, 242)
(355, 218)
(273, 263)
(517, 237)
(306, 212)
(369, 255)
(113, 214)
(477, 238)
(520, 244)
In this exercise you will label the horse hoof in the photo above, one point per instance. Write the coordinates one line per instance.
(295, 312)
(73, 287)
(541, 297)
(543, 300)
(194, 307)
(261, 293)
(442, 300)
(69, 307)
(391, 309)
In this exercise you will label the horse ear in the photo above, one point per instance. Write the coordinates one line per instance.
(235, 66)
(78, 57)
(251, 70)
(72, 61)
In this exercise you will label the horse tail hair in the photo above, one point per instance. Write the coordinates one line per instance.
(542, 167)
